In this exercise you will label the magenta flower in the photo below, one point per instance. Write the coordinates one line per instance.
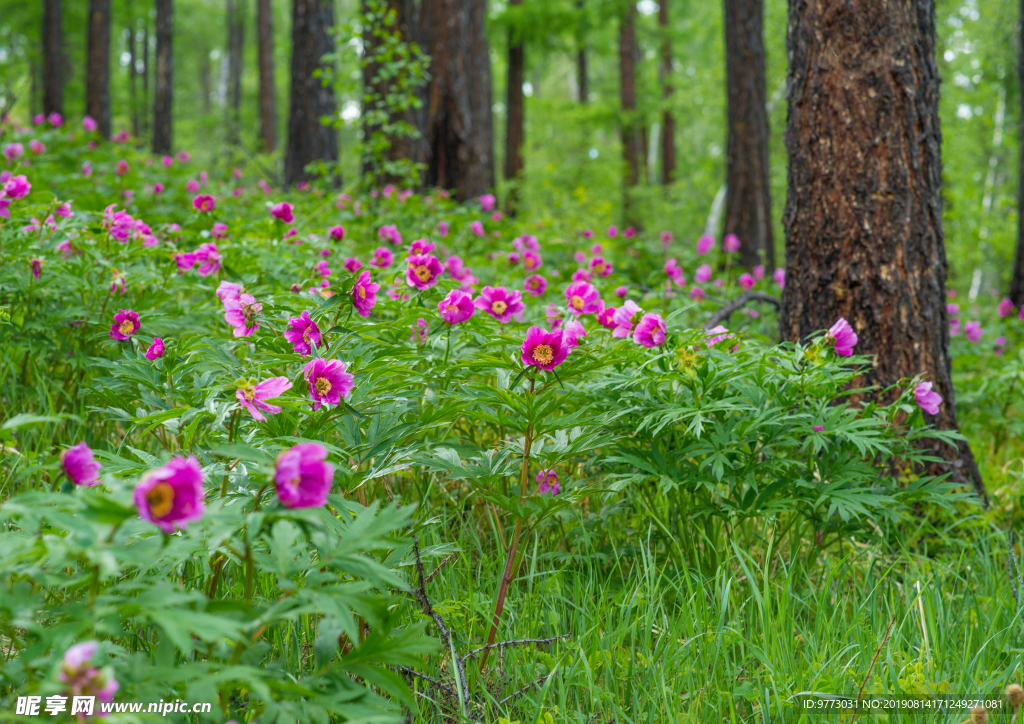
(927, 399)
(973, 331)
(818, 428)
(203, 203)
(13, 151)
(171, 497)
(499, 303)
(535, 285)
(352, 264)
(456, 307)
(302, 477)
(747, 281)
(16, 187)
(583, 298)
(83, 678)
(242, 315)
(420, 331)
(544, 349)
(64, 210)
(547, 480)
(705, 244)
(37, 267)
(328, 381)
(219, 230)
(513, 257)
(228, 293)
(717, 334)
(650, 332)
(158, 188)
(442, 228)
(192, 186)
(759, 272)
(606, 317)
(625, 317)
(571, 333)
(36, 147)
(531, 260)
(208, 258)
(779, 275)
(1005, 308)
(382, 258)
(251, 396)
(283, 212)
(601, 267)
(337, 232)
(422, 271)
(954, 327)
(183, 156)
(156, 349)
(89, 124)
(126, 323)
(121, 167)
(364, 293)
(731, 243)
(390, 234)
(79, 465)
(323, 269)
(703, 274)
(487, 201)
(303, 333)
(842, 337)
(477, 228)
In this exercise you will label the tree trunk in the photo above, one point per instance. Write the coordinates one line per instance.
(459, 131)
(514, 133)
(748, 201)
(268, 93)
(1017, 281)
(308, 139)
(627, 86)
(97, 66)
(236, 34)
(581, 54)
(668, 122)
(133, 78)
(145, 75)
(163, 82)
(53, 58)
(863, 216)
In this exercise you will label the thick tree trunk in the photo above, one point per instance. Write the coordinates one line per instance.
(863, 216)
(163, 82)
(97, 66)
(268, 93)
(668, 122)
(748, 201)
(514, 133)
(309, 140)
(53, 58)
(458, 125)
(1017, 281)
(630, 128)
(236, 34)
(581, 54)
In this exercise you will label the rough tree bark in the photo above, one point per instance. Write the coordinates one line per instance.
(97, 66)
(133, 96)
(581, 54)
(747, 201)
(309, 140)
(236, 36)
(863, 215)
(53, 58)
(668, 122)
(514, 133)
(1017, 281)
(629, 127)
(458, 125)
(268, 93)
(163, 81)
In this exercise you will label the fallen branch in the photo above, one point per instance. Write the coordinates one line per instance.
(738, 303)
(513, 642)
(435, 682)
(526, 688)
(420, 592)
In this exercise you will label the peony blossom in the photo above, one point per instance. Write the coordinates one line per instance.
(456, 307)
(1005, 308)
(487, 201)
(717, 334)
(572, 332)
(535, 285)
(208, 258)
(705, 244)
(219, 231)
(731, 243)
(82, 678)
(779, 275)
(251, 396)
(382, 258)
(606, 317)
(16, 187)
(303, 333)
(650, 331)
(121, 167)
(228, 293)
(89, 124)
(156, 349)
(242, 315)
(422, 271)
(328, 381)
(36, 147)
(842, 337)
(337, 232)
(477, 227)
(352, 264)
(625, 317)
(79, 465)
(302, 477)
(442, 229)
(13, 151)
(204, 203)
(126, 323)
(420, 331)
(64, 210)
(973, 331)
(927, 399)
(283, 212)
(601, 267)
(544, 349)
(531, 260)
(703, 274)
(583, 298)
(500, 303)
(747, 281)
(364, 294)
(548, 482)
(171, 497)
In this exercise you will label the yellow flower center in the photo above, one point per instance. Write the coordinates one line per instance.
(362, 292)
(127, 327)
(543, 353)
(452, 308)
(326, 293)
(160, 498)
(250, 394)
(323, 386)
(577, 302)
(599, 268)
(305, 336)
(528, 262)
(421, 272)
(534, 284)
(498, 307)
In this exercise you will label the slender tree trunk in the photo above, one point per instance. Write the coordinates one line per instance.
(747, 202)
(458, 125)
(236, 35)
(268, 93)
(97, 66)
(630, 129)
(205, 79)
(1017, 281)
(163, 82)
(581, 53)
(668, 122)
(514, 134)
(53, 58)
(863, 216)
(145, 75)
(132, 78)
(308, 139)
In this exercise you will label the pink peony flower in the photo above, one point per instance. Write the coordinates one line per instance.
(954, 327)
(228, 293)
(731, 243)
(242, 315)
(717, 334)
(703, 274)
(1005, 308)
(337, 232)
(581, 275)
(456, 307)
(36, 266)
(364, 294)
(36, 147)
(64, 210)
(323, 269)
(420, 332)
(219, 231)
(158, 188)
(16, 187)
(192, 186)
(208, 258)
(477, 227)
(779, 275)
(83, 678)
(571, 333)
(548, 482)
(629, 233)
(303, 333)
(56, 119)
(171, 497)
(531, 261)
(79, 465)
(487, 201)
(842, 337)
(302, 477)
(666, 239)
(535, 285)
(747, 281)
(283, 212)
(352, 264)
(422, 271)
(328, 381)
(650, 332)
(183, 156)
(442, 228)
(126, 323)
(583, 298)
(927, 399)
(601, 267)
(121, 167)
(705, 244)
(251, 396)
(544, 349)
(204, 203)
(625, 317)
(89, 124)
(606, 317)
(156, 349)
(759, 272)
(621, 292)
(382, 258)
(13, 151)
(500, 303)
(973, 331)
